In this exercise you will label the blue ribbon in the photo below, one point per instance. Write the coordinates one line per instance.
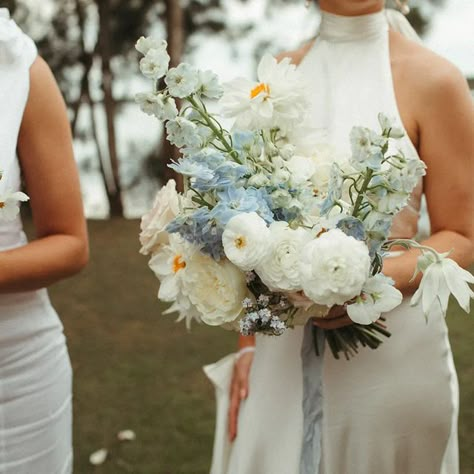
(312, 399)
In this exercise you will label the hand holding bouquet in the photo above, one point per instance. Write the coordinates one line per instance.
(275, 226)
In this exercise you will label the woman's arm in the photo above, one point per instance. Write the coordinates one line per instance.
(446, 145)
(47, 161)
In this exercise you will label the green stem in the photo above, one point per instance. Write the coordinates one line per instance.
(362, 191)
(218, 133)
(413, 244)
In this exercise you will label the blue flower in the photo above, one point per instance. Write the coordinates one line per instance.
(334, 190)
(352, 227)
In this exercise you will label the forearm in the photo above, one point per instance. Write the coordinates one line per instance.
(402, 268)
(245, 341)
(41, 263)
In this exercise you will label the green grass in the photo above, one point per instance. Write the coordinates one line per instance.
(136, 369)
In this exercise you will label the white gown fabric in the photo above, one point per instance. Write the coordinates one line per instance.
(35, 373)
(389, 411)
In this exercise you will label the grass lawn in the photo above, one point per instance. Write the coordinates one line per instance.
(136, 369)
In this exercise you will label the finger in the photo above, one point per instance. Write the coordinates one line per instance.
(233, 415)
(243, 385)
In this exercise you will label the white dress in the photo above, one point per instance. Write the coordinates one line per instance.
(389, 411)
(35, 372)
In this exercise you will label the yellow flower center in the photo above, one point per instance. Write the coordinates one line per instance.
(178, 263)
(257, 90)
(240, 242)
(2, 205)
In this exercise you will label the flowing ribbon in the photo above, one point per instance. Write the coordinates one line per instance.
(312, 399)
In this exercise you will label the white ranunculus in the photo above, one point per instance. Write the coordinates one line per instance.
(279, 271)
(143, 45)
(440, 279)
(182, 81)
(216, 289)
(165, 208)
(209, 85)
(155, 63)
(378, 296)
(245, 240)
(162, 107)
(277, 99)
(334, 267)
(10, 205)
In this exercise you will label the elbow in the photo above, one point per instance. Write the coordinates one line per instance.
(80, 257)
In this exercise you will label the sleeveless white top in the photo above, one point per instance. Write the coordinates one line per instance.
(390, 411)
(35, 373)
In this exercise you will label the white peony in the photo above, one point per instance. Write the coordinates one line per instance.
(334, 267)
(245, 240)
(216, 289)
(162, 107)
(10, 205)
(277, 99)
(441, 278)
(182, 81)
(155, 63)
(378, 296)
(279, 271)
(165, 208)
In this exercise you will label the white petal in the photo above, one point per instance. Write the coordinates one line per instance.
(362, 313)
(98, 457)
(168, 289)
(126, 435)
(457, 285)
(430, 288)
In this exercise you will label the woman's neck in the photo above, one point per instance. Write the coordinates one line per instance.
(351, 7)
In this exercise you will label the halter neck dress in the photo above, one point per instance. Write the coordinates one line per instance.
(389, 411)
(35, 373)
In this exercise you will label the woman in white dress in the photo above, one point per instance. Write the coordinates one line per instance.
(393, 410)
(35, 373)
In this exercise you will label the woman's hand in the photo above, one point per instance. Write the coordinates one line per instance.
(336, 318)
(239, 390)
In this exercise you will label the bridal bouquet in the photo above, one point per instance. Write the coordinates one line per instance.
(275, 226)
(10, 203)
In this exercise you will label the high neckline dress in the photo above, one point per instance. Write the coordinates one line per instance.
(389, 411)
(35, 372)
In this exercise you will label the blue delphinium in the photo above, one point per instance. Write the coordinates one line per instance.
(201, 229)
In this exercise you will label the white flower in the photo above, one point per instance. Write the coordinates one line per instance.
(278, 99)
(365, 147)
(182, 81)
(162, 107)
(440, 279)
(279, 271)
(126, 435)
(153, 224)
(155, 64)
(258, 180)
(301, 168)
(378, 296)
(182, 132)
(216, 289)
(209, 85)
(10, 205)
(334, 268)
(387, 125)
(143, 45)
(98, 457)
(245, 240)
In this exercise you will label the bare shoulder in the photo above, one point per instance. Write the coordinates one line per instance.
(297, 55)
(433, 77)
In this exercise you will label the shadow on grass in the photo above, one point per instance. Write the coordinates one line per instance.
(139, 370)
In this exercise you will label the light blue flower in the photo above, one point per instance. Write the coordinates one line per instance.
(334, 190)
(366, 148)
(352, 227)
(192, 168)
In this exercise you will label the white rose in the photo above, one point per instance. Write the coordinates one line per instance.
(165, 208)
(216, 289)
(245, 240)
(334, 268)
(279, 271)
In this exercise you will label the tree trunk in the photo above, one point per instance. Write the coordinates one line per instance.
(116, 207)
(175, 29)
